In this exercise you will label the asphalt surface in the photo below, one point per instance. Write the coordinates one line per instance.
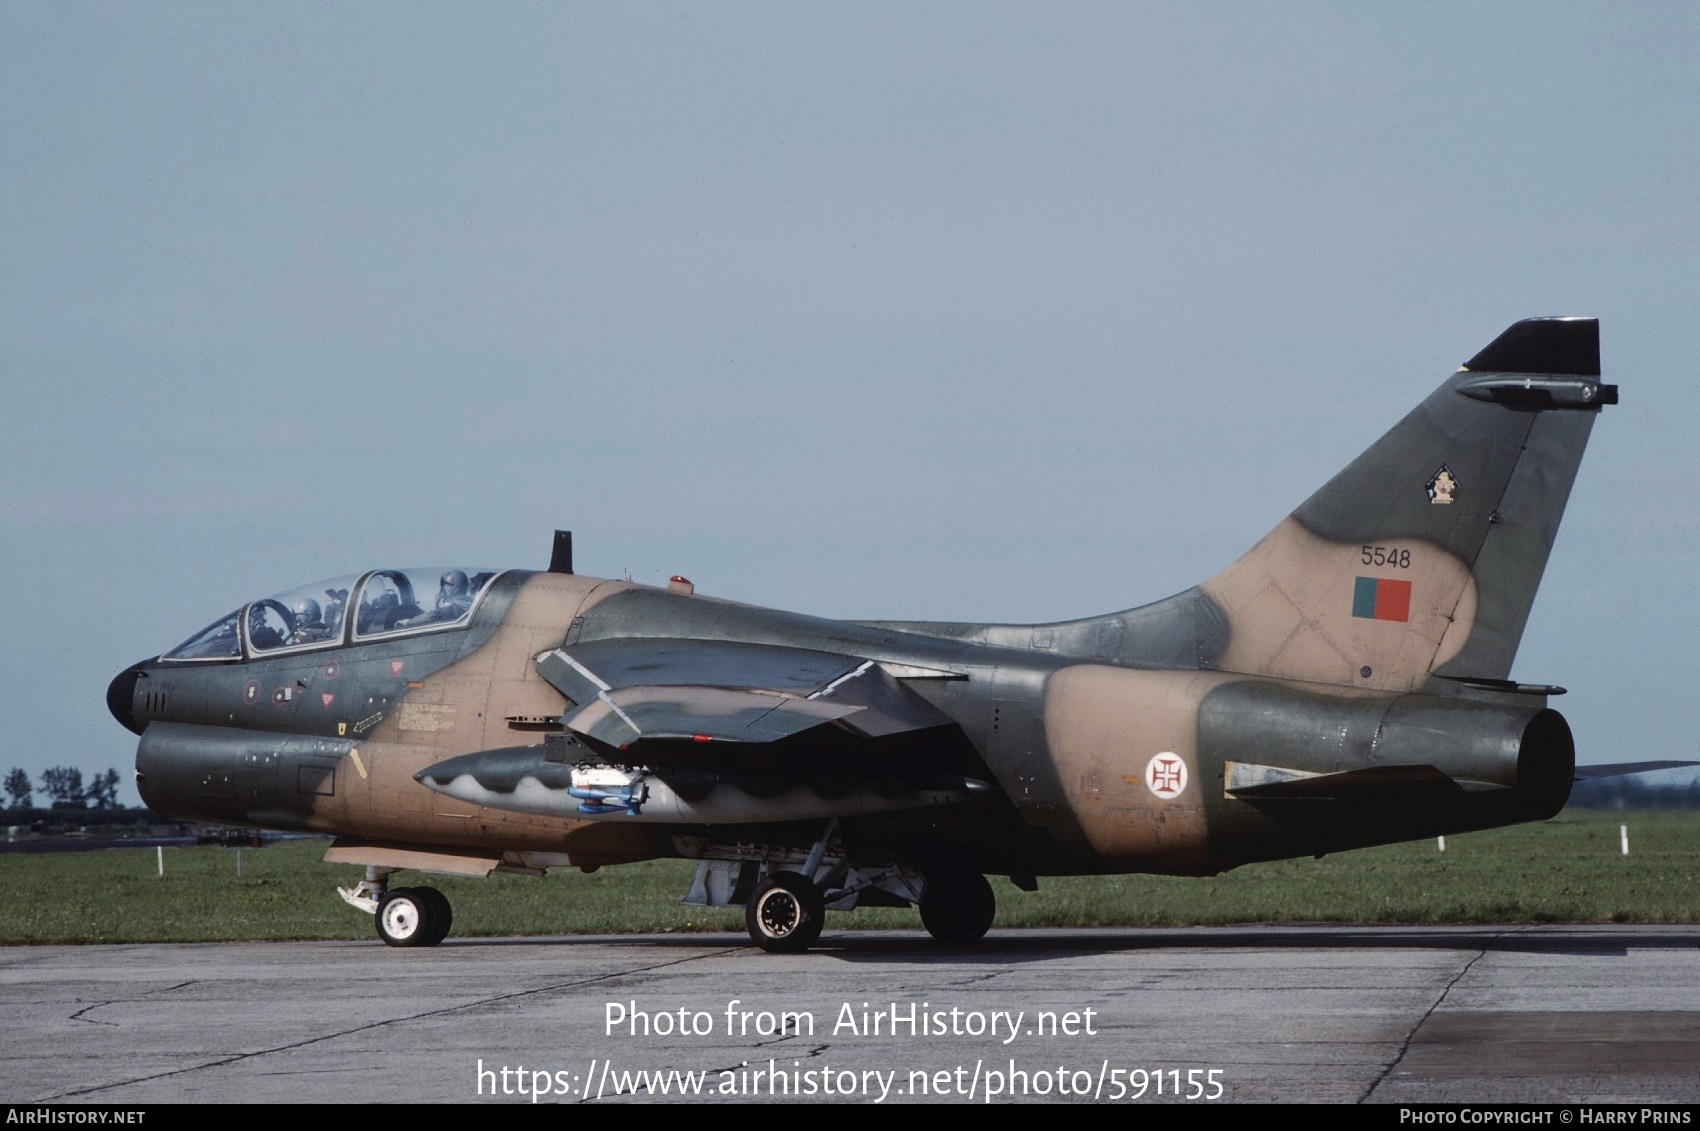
(1547, 1014)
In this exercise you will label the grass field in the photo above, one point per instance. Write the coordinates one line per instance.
(1569, 870)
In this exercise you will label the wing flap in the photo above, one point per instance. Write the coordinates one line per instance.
(880, 705)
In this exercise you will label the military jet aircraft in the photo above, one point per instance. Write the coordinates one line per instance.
(1345, 683)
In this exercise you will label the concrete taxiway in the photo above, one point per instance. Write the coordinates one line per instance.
(1532, 1014)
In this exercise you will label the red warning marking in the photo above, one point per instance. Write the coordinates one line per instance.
(702, 738)
(329, 670)
(396, 666)
(325, 697)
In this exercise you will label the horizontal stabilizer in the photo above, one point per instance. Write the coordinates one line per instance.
(1623, 769)
(1507, 686)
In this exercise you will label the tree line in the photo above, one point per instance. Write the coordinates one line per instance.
(65, 789)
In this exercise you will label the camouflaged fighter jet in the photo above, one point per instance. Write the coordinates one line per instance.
(1343, 684)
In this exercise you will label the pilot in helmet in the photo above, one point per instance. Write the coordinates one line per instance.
(454, 595)
(307, 620)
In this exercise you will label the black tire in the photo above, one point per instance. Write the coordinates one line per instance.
(957, 907)
(442, 915)
(407, 917)
(785, 914)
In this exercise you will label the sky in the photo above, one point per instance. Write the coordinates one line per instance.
(941, 311)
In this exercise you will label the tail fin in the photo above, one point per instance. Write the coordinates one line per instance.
(1423, 556)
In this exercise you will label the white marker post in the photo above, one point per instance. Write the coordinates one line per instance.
(1623, 834)
(1440, 840)
(160, 848)
(239, 863)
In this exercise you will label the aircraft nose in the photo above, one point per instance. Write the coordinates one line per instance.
(121, 696)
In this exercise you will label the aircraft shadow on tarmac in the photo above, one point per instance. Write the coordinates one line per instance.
(860, 946)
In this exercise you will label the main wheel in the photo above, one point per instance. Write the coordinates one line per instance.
(410, 917)
(785, 913)
(441, 918)
(957, 907)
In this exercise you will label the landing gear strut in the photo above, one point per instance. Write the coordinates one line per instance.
(957, 906)
(787, 910)
(404, 916)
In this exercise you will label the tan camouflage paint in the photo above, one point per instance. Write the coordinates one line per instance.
(1103, 726)
(1289, 605)
(466, 707)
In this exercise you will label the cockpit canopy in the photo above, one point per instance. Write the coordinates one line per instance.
(387, 602)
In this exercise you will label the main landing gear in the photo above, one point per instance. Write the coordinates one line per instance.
(785, 913)
(786, 910)
(404, 916)
(957, 906)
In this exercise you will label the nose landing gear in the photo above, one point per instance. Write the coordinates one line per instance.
(414, 917)
(404, 916)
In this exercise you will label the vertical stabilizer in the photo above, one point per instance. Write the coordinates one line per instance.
(1423, 556)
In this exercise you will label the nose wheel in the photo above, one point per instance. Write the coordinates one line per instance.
(413, 917)
(785, 913)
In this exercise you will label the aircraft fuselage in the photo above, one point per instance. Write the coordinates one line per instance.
(330, 740)
(1344, 683)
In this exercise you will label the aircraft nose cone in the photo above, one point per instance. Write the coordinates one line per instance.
(121, 697)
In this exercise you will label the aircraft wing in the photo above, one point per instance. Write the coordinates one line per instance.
(630, 691)
(689, 731)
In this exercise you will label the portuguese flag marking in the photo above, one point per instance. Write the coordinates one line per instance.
(1381, 598)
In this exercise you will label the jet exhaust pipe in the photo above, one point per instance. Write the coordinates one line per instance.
(1527, 751)
(1410, 764)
